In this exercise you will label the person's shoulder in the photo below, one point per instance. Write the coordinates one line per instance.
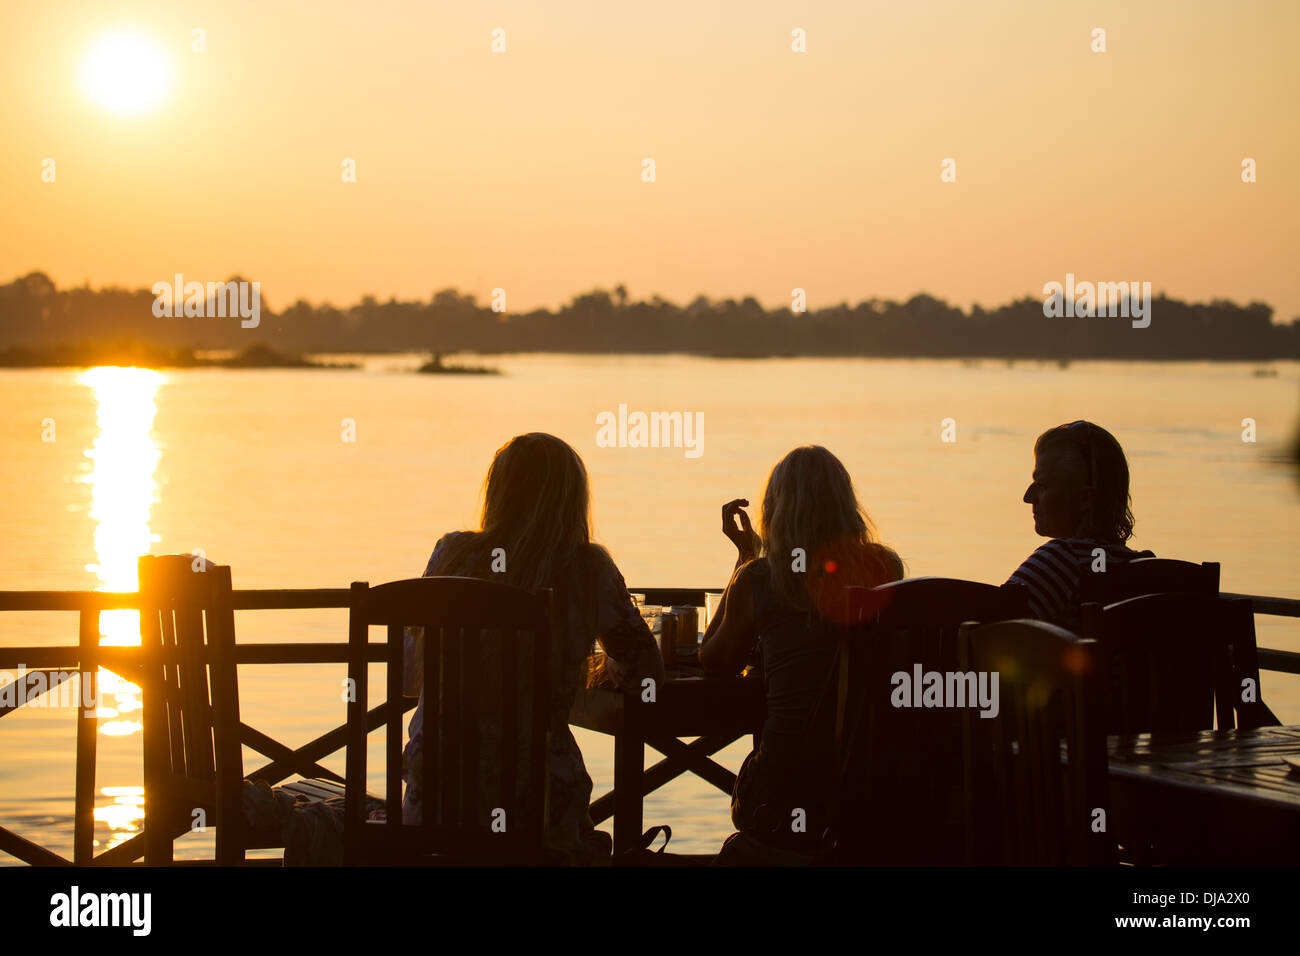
(451, 536)
(595, 551)
(595, 560)
(895, 569)
(1061, 546)
(597, 556)
(756, 573)
(442, 545)
(1063, 550)
(1058, 557)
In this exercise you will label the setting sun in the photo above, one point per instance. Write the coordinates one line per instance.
(127, 73)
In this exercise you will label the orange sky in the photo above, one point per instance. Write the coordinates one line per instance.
(774, 169)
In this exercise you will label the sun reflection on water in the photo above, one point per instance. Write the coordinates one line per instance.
(124, 458)
(123, 816)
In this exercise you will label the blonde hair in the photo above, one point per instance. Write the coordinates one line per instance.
(537, 509)
(809, 503)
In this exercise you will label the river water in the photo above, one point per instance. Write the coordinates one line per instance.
(313, 478)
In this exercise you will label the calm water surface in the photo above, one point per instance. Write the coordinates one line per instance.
(253, 468)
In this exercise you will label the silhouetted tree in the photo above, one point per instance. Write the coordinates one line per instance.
(34, 313)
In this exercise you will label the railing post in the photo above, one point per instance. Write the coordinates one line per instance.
(83, 838)
(355, 760)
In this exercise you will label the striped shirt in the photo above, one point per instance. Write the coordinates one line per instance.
(1053, 574)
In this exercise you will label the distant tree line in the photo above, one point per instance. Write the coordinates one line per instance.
(34, 313)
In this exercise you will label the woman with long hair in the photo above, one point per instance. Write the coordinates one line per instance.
(1080, 498)
(814, 541)
(535, 533)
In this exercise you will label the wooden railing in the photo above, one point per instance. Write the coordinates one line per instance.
(1272, 659)
(87, 655)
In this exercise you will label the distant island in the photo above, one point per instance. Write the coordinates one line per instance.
(435, 366)
(37, 316)
(87, 355)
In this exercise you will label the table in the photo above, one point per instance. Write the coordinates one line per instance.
(716, 710)
(1222, 796)
(1217, 796)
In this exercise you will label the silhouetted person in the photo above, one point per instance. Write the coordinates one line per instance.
(814, 540)
(536, 508)
(1080, 500)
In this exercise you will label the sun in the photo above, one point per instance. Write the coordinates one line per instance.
(126, 72)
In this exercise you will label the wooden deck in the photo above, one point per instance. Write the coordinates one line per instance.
(694, 710)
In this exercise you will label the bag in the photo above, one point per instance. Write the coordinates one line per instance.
(643, 855)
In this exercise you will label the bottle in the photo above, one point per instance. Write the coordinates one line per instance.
(668, 638)
(687, 632)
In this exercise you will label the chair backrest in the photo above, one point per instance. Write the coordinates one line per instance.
(926, 613)
(1172, 662)
(1036, 772)
(902, 763)
(193, 760)
(1127, 579)
(487, 650)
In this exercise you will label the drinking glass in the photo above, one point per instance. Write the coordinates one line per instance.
(711, 602)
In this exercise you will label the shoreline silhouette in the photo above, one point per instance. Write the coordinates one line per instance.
(35, 314)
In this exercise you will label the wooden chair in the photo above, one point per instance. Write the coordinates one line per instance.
(1127, 579)
(1036, 774)
(926, 613)
(487, 665)
(898, 770)
(1174, 662)
(193, 762)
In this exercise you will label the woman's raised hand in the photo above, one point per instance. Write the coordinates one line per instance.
(735, 525)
